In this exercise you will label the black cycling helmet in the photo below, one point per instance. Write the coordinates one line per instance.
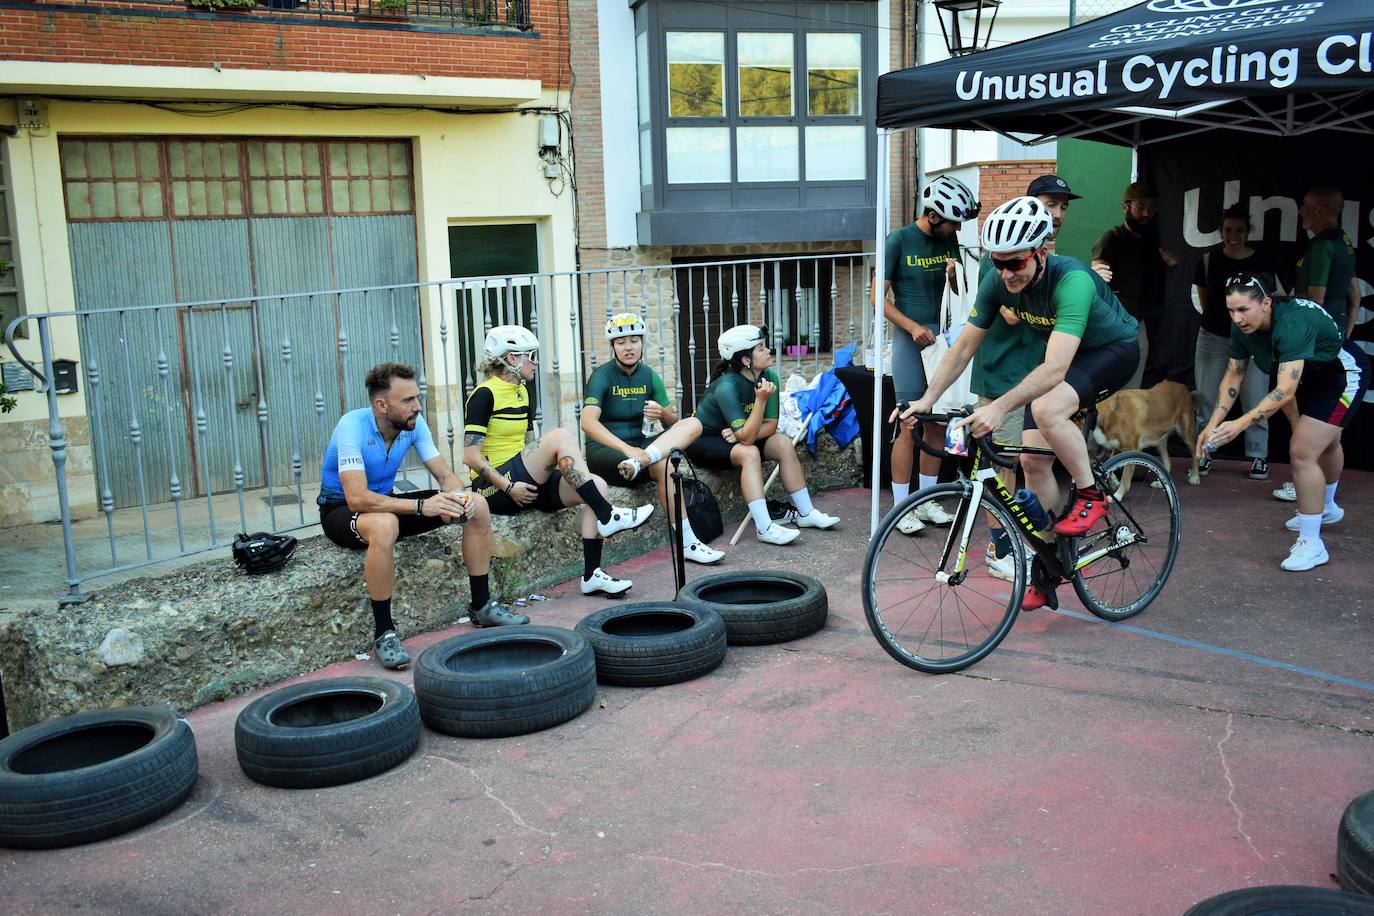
(261, 552)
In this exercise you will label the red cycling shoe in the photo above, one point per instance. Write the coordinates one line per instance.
(1089, 507)
(1034, 599)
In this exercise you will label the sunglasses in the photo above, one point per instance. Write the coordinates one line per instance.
(1245, 280)
(1012, 263)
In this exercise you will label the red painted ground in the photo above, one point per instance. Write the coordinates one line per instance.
(1079, 769)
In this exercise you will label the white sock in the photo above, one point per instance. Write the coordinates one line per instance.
(802, 500)
(655, 456)
(688, 535)
(928, 480)
(1331, 494)
(900, 491)
(1310, 526)
(758, 508)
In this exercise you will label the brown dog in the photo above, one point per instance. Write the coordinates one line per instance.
(1142, 418)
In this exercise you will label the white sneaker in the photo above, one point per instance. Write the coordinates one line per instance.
(1004, 568)
(1330, 516)
(698, 552)
(816, 519)
(603, 582)
(623, 519)
(1287, 493)
(778, 534)
(910, 524)
(1305, 554)
(932, 513)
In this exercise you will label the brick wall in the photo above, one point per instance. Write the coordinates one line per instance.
(169, 36)
(999, 182)
(584, 38)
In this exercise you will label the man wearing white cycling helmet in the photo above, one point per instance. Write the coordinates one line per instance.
(521, 472)
(739, 415)
(623, 397)
(920, 259)
(1090, 352)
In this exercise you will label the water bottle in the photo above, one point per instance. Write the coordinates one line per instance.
(462, 498)
(1030, 504)
(646, 428)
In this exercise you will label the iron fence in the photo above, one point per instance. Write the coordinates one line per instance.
(454, 14)
(212, 417)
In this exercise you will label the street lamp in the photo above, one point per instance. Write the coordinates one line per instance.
(954, 32)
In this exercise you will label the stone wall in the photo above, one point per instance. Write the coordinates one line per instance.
(206, 632)
(28, 480)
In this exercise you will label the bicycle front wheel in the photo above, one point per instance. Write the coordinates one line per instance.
(930, 598)
(1126, 563)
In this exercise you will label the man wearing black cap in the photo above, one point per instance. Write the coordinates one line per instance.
(1137, 264)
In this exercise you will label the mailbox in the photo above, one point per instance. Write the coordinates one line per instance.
(64, 376)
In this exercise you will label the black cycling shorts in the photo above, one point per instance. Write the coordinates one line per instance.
(1333, 391)
(340, 523)
(1099, 373)
(604, 461)
(712, 451)
(548, 499)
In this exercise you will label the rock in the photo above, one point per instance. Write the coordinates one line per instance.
(436, 567)
(121, 647)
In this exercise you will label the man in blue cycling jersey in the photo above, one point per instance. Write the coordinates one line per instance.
(358, 509)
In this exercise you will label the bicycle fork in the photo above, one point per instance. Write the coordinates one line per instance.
(961, 532)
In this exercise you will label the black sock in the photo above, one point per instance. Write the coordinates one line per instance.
(591, 556)
(381, 615)
(481, 591)
(593, 498)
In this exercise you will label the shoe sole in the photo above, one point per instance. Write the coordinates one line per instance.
(606, 591)
(704, 562)
(1322, 562)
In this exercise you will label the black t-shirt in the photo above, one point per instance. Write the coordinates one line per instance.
(1137, 268)
(1213, 270)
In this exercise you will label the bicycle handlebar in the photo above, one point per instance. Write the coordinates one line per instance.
(984, 442)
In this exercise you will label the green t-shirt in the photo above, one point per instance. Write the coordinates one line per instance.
(1007, 354)
(1329, 261)
(621, 397)
(1069, 298)
(730, 399)
(1301, 329)
(915, 265)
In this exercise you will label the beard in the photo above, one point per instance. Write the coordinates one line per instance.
(1140, 224)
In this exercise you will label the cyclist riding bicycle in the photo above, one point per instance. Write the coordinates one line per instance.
(1090, 351)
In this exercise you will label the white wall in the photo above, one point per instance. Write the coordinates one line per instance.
(619, 121)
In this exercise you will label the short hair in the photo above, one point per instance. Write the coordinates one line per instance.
(1330, 198)
(379, 377)
(1237, 211)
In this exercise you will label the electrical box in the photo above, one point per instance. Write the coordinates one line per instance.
(64, 376)
(17, 378)
(548, 132)
(32, 114)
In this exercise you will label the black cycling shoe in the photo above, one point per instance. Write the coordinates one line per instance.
(492, 614)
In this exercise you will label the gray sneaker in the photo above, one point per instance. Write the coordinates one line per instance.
(390, 652)
(492, 614)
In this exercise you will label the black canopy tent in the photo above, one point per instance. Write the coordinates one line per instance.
(1160, 71)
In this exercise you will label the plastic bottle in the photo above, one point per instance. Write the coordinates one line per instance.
(1030, 504)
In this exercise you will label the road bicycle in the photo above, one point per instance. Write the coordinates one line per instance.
(932, 601)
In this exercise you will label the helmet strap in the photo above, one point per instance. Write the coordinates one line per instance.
(1039, 268)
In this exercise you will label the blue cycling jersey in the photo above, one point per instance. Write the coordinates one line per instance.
(357, 445)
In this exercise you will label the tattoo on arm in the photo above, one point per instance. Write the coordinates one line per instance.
(1231, 393)
(471, 439)
(1295, 374)
(1277, 395)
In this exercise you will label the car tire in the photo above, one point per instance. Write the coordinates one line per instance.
(1355, 846)
(1283, 900)
(327, 733)
(497, 683)
(762, 606)
(93, 775)
(652, 643)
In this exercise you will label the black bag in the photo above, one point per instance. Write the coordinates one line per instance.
(700, 507)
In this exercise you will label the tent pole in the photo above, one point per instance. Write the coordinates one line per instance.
(884, 178)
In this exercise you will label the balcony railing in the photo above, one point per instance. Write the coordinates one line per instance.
(209, 418)
(452, 14)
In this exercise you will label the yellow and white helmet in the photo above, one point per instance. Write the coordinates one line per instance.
(626, 324)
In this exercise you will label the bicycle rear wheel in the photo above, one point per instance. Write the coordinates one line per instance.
(932, 622)
(1138, 542)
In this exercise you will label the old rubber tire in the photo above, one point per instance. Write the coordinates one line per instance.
(508, 681)
(326, 733)
(1355, 846)
(651, 643)
(1284, 900)
(762, 606)
(93, 775)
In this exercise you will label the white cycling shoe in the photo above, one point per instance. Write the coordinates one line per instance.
(778, 534)
(816, 519)
(698, 552)
(910, 524)
(932, 513)
(1330, 516)
(623, 519)
(603, 582)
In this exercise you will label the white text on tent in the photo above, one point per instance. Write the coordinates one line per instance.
(1061, 85)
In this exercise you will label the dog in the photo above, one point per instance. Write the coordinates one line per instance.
(1138, 419)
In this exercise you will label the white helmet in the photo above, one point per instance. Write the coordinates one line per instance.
(951, 199)
(626, 324)
(509, 338)
(1019, 224)
(740, 337)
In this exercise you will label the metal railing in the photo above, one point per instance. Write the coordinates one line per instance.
(455, 14)
(208, 418)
